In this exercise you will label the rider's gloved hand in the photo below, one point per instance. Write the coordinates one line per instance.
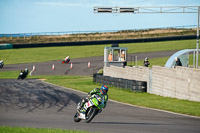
(89, 95)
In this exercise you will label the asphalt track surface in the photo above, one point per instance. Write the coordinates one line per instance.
(34, 103)
(79, 66)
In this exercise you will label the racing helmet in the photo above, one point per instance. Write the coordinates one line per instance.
(104, 89)
(26, 69)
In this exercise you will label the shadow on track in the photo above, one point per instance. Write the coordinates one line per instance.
(30, 95)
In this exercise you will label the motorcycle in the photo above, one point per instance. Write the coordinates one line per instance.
(93, 107)
(66, 61)
(23, 74)
(1, 64)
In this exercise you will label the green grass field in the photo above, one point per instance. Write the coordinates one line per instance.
(6, 129)
(85, 83)
(28, 55)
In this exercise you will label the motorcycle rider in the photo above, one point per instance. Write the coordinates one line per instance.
(1, 64)
(67, 59)
(146, 62)
(23, 73)
(26, 70)
(102, 92)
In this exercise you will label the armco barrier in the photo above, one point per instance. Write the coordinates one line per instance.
(133, 85)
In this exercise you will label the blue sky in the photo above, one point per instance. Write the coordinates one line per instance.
(26, 16)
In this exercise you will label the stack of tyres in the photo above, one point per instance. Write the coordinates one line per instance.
(133, 85)
(116, 82)
(123, 82)
(106, 80)
(140, 86)
(97, 77)
(112, 81)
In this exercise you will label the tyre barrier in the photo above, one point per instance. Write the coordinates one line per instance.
(133, 85)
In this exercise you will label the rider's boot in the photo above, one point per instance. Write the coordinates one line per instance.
(82, 112)
(80, 104)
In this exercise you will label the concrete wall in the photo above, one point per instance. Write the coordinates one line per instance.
(132, 73)
(179, 82)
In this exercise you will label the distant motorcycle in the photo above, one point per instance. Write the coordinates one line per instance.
(23, 74)
(94, 106)
(1, 64)
(66, 61)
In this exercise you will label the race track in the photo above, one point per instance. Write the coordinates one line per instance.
(79, 66)
(34, 103)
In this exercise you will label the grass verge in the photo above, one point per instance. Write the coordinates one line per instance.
(28, 55)
(6, 129)
(85, 84)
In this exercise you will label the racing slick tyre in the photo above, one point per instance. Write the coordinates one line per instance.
(76, 118)
(90, 113)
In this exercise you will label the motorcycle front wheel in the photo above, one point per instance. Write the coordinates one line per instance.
(90, 113)
(76, 118)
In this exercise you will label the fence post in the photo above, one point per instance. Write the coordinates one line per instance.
(194, 59)
(136, 60)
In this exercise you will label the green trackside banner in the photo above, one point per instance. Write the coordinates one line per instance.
(6, 46)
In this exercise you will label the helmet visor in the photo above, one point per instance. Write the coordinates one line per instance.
(103, 91)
